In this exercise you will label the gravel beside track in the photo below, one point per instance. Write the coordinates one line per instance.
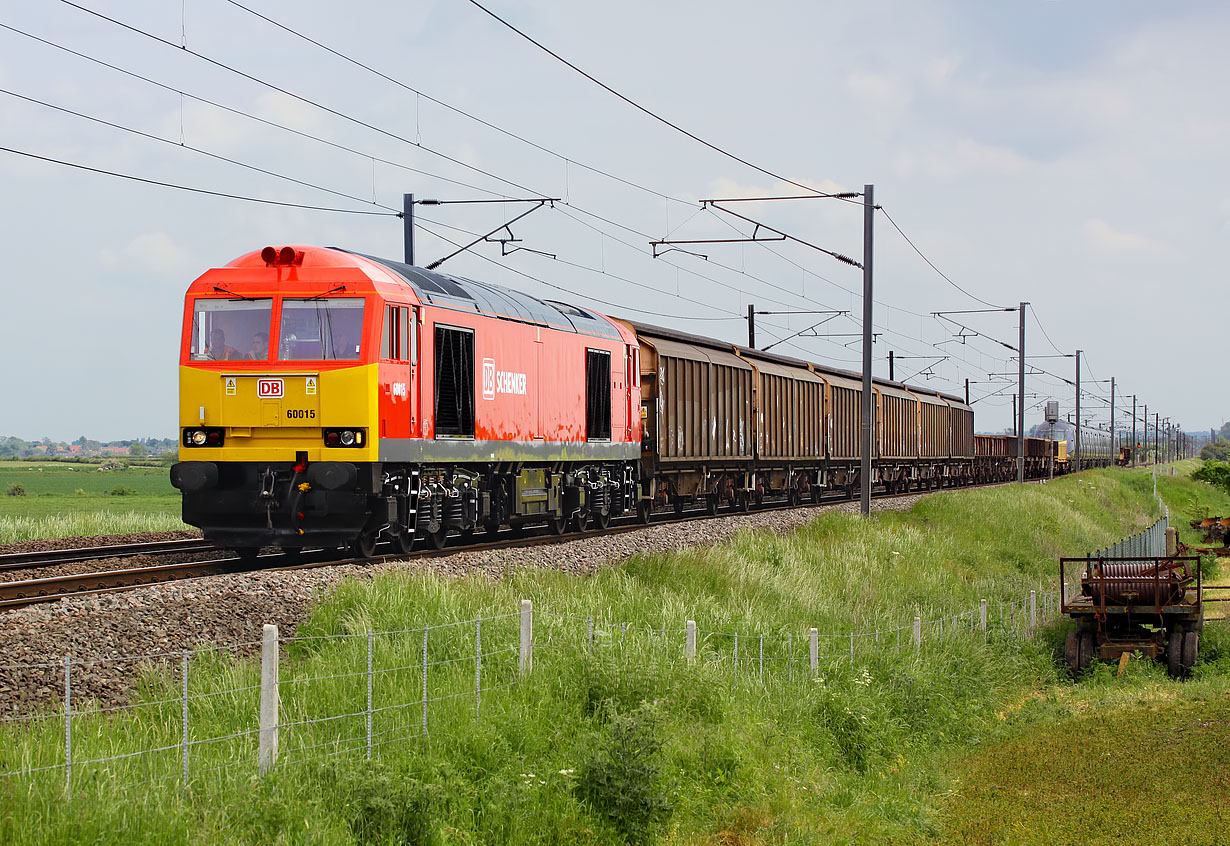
(162, 620)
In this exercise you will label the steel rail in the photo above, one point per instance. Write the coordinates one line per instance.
(52, 557)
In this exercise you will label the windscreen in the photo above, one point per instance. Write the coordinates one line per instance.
(321, 329)
(230, 330)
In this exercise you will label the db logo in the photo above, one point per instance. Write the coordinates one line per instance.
(270, 388)
(489, 378)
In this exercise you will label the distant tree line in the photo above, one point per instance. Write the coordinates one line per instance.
(13, 447)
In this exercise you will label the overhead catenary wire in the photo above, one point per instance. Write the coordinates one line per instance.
(197, 150)
(638, 106)
(248, 115)
(308, 101)
(443, 104)
(190, 188)
(930, 263)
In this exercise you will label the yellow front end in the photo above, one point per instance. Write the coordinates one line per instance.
(277, 416)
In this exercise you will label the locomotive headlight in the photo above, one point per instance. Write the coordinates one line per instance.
(352, 438)
(198, 437)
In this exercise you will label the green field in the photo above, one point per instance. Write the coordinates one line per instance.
(64, 499)
(615, 739)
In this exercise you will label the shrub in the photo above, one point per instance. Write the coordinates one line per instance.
(121, 490)
(16, 489)
(111, 464)
(620, 775)
(381, 806)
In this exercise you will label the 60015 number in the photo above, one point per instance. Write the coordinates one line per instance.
(300, 414)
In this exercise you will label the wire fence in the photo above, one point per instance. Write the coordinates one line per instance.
(208, 715)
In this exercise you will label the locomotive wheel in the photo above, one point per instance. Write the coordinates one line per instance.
(364, 546)
(438, 538)
(403, 542)
(1087, 649)
(1174, 654)
(602, 519)
(581, 522)
(1191, 647)
(558, 525)
(1071, 652)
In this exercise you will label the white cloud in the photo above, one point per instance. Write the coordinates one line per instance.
(1105, 239)
(964, 158)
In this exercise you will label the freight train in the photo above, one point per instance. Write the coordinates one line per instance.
(329, 399)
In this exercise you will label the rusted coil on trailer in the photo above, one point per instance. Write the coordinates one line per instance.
(1136, 582)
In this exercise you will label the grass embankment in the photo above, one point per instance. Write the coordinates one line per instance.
(620, 741)
(1131, 759)
(59, 499)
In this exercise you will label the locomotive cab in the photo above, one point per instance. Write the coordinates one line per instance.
(279, 420)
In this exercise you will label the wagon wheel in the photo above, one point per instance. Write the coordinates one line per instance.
(558, 525)
(1191, 646)
(678, 504)
(1087, 649)
(364, 546)
(644, 510)
(711, 504)
(793, 498)
(602, 519)
(438, 538)
(1174, 654)
(743, 501)
(1071, 652)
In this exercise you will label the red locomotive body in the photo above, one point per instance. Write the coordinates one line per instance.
(396, 400)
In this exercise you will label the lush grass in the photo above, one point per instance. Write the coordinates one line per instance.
(63, 499)
(1132, 760)
(618, 740)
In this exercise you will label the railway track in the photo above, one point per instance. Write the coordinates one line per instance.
(30, 591)
(53, 557)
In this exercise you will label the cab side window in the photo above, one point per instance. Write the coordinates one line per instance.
(398, 334)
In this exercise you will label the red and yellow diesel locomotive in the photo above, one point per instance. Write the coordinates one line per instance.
(328, 398)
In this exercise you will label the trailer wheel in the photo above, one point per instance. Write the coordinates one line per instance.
(1174, 654)
(1087, 649)
(1071, 652)
(1191, 647)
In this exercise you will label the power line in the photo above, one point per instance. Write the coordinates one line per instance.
(191, 188)
(299, 97)
(638, 106)
(347, 58)
(241, 113)
(1038, 323)
(944, 275)
(202, 152)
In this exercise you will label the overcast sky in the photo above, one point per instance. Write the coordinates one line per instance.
(1071, 154)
